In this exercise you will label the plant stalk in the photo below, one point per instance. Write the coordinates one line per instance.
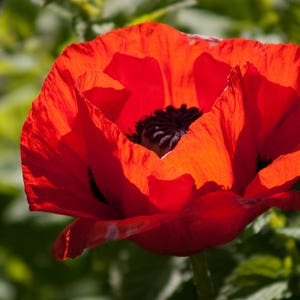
(202, 277)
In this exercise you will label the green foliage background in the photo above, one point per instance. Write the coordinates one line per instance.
(263, 263)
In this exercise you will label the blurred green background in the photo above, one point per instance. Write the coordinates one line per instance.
(263, 263)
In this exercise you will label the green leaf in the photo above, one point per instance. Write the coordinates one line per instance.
(275, 291)
(259, 269)
(290, 232)
(255, 274)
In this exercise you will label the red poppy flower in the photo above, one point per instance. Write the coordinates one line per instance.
(167, 139)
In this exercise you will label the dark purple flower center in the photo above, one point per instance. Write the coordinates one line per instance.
(162, 130)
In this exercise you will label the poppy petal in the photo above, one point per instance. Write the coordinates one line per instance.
(279, 63)
(211, 219)
(221, 144)
(171, 195)
(54, 164)
(283, 139)
(86, 233)
(104, 141)
(146, 42)
(145, 83)
(278, 112)
(289, 200)
(210, 79)
(109, 95)
(279, 176)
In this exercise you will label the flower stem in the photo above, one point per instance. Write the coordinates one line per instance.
(202, 278)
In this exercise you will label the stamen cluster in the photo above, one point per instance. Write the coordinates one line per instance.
(165, 127)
